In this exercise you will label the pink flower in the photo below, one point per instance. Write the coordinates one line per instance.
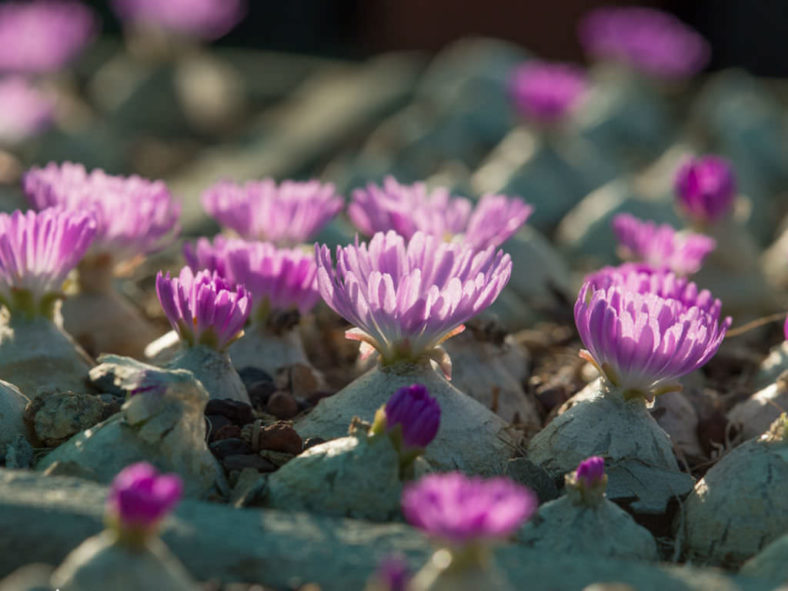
(406, 298)
(661, 246)
(416, 413)
(646, 39)
(408, 209)
(644, 330)
(277, 278)
(590, 472)
(139, 497)
(24, 111)
(134, 216)
(706, 188)
(545, 92)
(287, 214)
(37, 251)
(208, 19)
(43, 35)
(203, 308)
(459, 510)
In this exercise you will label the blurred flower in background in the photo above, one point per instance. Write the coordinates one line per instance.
(205, 19)
(25, 111)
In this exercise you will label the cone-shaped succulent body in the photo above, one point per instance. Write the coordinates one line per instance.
(660, 245)
(283, 285)
(161, 422)
(287, 214)
(61, 29)
(208, 314)
(407, 209)
(24, 110)
(585, 522)
(203, 19)
(12, 409)
(360, 475)
(647, 40)
(546, 93)
(134, 217)
(774, 364)
(743, 493)
(643, 330)
(464, 516)
(129, 554)
(37, 251)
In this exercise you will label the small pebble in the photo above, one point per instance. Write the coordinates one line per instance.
(260, 392)
(215, 423)
(279, 437)
(251, 376)
(230, 447)
(238, 412)
(227, 432)
(282, 405)
(239, 462)
(60, 415)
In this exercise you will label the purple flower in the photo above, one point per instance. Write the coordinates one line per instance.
(207, 19)
(654, 42)
(644, 330)
(408, 209)
(37, 251)
(139, 497)
(406, 298)
(134, 216)
(286, 214)
(591, 471)
(416, 413)
(545, 93)
(24, 110)
(207, 255)
(785, 328)
(458, 509)
(706, 188)
(661, 246)
(203, 308)
(43, 35)
(393, 574)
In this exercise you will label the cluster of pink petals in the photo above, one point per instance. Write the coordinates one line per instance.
(207, 19)
(277, 278)
(203, 308)
(644, 329)
(43, 35)
(706, 188)
(405, 298)
(407, 209)
(37, 251)
(646, 39)
(287, 214)
(417, 414)
(139, 497)
(660, 245)
(591, 471)
(24, 110)
(547, 92)
(134, 216)
(458, 509)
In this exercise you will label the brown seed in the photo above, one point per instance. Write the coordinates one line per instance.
(280, 437)
(282, 405)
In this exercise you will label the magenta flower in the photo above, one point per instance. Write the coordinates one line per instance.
(646, 39)
(644, 330)
(590, 472)
(406, 298)
(139, 497)
(37, 251)
(134, 216)
(416, 413)
(206, 19)
(459, 510)
(660, 245)
(24, 110)
(706, 188)
(203, 308)
(545, 93)
(43, 35)
(393, 574)
(207, 255)
(408, 209)
(785, 328)
(287, 214)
